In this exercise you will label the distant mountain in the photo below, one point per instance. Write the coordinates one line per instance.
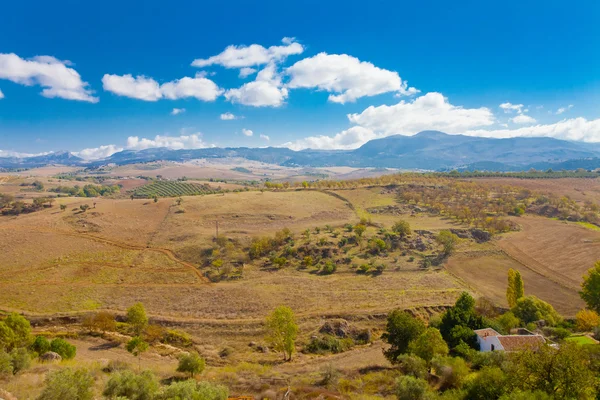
(60, 157)
(427, 150)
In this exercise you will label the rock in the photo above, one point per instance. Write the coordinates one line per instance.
(252, 344)
(340, 328)
(461, 233)
(480, 235)
(4, 395)
(50, 357)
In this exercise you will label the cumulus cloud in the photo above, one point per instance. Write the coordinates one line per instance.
(177, 111)
(523, 119)
(98, 152)
(246, 72)
(431, 111)
(193, 141)
(579, 129)
(1, 94)
(509, 107)
(147, 89)
(247, 132)
(17, 154)
(346, 140)
(346, 77)
(564, 109)
(228, 116)
(265, 137)
(265, 91)
(251, 56)
(53, 75)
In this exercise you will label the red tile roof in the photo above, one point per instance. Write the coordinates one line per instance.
(521, 342)
(486, 332)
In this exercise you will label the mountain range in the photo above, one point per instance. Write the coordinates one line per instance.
(427, 150)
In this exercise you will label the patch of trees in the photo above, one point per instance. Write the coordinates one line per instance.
(87, 190)
(10, 206)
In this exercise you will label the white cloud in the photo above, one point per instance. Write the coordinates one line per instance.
(349, 139)
(246, 72)
(98, 152)
(177, 111)
(10, 153)
(50, 73)
(148, 89)
(265, 91)
(564, 109)
(509, 107)
(579, 129)
(247, 132)
(431, 111)
(140, 87)
(228, 116)
(253, 55)
(265, 137)
(193, 141)
(1, 94)
(523, 119)
(346, 77)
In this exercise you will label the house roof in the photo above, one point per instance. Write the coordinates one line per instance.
(521, 342)
(486, 332)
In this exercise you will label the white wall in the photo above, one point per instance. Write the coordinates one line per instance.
(485, 344)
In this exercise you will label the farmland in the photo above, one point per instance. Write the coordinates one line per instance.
(298, 246)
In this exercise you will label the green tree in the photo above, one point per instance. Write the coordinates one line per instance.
(590, 288)
(191, 363)
(137, 318)
(451, 370)
(282, 331)
(508, 321)
(410, 388)
(129, 385)
(459, 321)
(192, 390)
(137, 346)
(63, 207)
(68, 384)
(360, 230)
(66, 350)
(401, 329)
(531, 309)
(402, 228)
(6, 367)
(448, 240)
(489, 384)
(15, 331)
(429, 344)
(515, 289)
(84, 207)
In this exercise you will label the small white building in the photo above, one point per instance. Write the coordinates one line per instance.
(490, 340)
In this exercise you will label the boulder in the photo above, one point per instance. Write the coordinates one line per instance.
(480, 235)
(339, 327)
(50, 357)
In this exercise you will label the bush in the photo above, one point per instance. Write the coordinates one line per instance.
(489, 383)
(363, 269)
(192, 390)
(116, 365)
(191, 363)
(410, 388)
(136, 317)
(68, 384)
(531, 309)
(131, 386)
(6, 366)
(63, 348)
(40, 345)
(452, 371)
(15, 331)
(328, 268)
(412, 366)
(176, 337)
(328, 344)
(21, 360)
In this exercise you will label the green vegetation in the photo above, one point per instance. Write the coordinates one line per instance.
(191, 363)
(515, 288)
(68, 384)
(172, 189)
(137, 318)
(282, 331)
(87, 190)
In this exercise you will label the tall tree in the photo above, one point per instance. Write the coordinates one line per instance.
(136, 316)
(459, 321)
(137, 346)
(515, 289)
(402, 328)
(282, 331)
(590, 288)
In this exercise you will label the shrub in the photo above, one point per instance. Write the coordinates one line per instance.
(6, 366)
(410, 388)
(131, 386)
(587, 320)
(402, 228)
(40, 345)
(489, 383)
(192, 390)
(531, 309)
(191, 363)
(68, 384)
(363, 269)
(63, 348)
(412, 366)
(452, 371)
(21, 360)
(137, 318)
(328, 268)
(176, 337)
(328, 344)
(15, 331)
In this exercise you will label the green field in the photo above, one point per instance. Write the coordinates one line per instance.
(581, 339)
(172, 189)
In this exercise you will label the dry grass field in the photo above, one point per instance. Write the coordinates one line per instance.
(576, 188)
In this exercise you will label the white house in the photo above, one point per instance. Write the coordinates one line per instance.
(490, 340)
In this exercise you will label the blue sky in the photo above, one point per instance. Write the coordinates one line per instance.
(341, 72)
